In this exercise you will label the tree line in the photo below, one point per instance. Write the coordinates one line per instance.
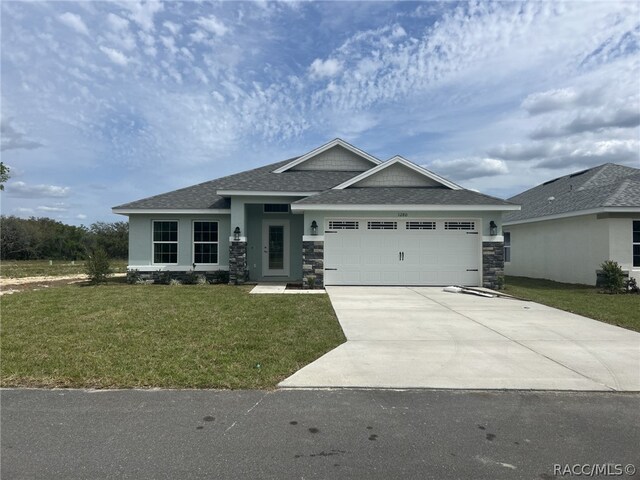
(48, 239)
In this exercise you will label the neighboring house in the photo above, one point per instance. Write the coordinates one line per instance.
(568, 226)
(336, 213)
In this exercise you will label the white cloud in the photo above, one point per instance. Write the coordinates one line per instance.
(75, 22)
(23, 190)
(142, 12)
(12, 138)
(117, 23)
(81, 216)
(58, 207)
(213, 25)
(327, 68)
(608, 151)
(591, 121)
(174, 28)
(115, 56)
(469, 168)
(23, 210)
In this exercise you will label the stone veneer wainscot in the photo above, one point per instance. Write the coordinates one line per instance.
(492, 264)
(237, 262)
(313, 262)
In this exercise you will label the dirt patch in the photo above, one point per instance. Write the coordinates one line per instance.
(9, 286)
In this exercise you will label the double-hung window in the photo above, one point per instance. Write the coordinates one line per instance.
(205, 243)
(636, 243)
(165, 242)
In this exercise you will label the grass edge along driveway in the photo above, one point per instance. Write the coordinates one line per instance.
(190, 336)
(622, 310)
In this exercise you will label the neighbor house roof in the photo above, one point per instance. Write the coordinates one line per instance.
(607, 186)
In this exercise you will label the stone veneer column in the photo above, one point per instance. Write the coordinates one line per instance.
(237, 262)
(492, 264)
(313, 262)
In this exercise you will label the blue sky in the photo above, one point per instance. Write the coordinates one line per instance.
(108, 102)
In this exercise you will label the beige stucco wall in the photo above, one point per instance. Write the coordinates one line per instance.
(569, 250)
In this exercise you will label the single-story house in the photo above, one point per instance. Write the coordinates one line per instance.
(336, 213)
(569, 225)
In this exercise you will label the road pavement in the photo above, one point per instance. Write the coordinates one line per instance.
(307, 434)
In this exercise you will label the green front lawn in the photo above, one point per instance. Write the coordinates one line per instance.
(622, 310)
(33, 268)
(189, 336)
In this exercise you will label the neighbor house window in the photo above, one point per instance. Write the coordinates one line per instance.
(165, 242)
(507, 246)
(205, 242)
(636, 243)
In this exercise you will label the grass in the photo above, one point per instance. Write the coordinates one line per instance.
(622, 310)
(32, 268)
(191, 336)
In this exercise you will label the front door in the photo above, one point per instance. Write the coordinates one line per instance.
(275, 248)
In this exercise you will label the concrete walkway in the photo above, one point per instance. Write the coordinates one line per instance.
(422, 337)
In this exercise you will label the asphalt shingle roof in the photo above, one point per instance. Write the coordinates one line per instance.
(204, 194)
(400, 196)
(607, 185)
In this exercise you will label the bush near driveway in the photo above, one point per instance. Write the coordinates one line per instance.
(190, 336)
(621, 310)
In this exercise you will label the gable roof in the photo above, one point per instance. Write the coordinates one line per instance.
(398, 160)
(380, 185)
(337, 142)
(606, 187)
(376, 197)
(210, 194)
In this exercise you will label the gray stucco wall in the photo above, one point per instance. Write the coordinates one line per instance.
(141, 241)
(255, 217)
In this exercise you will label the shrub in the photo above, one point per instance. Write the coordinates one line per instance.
(163, 278)
(134, 277)
(221, 276)
(97, 266)
(613, 279)
(311, 281)
(632, 286)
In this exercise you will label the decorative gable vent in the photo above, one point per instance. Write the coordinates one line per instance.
(459, 225)
(343, 225)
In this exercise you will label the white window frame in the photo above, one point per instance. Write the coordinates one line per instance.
(153, 241)
(264, 209)
(193, 242)
(633, 244)
(507, 246)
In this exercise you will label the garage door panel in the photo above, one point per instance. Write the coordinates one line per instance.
(431, 257)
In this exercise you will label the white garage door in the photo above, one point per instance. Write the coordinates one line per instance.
(402, 252)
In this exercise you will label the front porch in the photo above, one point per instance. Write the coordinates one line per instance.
(270, 244)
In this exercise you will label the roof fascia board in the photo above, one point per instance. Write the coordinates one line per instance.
(367, 208)
(324, 148)
(576, 213)
(403, 161)
(171, 211)
(255, 193)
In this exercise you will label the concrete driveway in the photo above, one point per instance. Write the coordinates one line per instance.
(422, 337)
